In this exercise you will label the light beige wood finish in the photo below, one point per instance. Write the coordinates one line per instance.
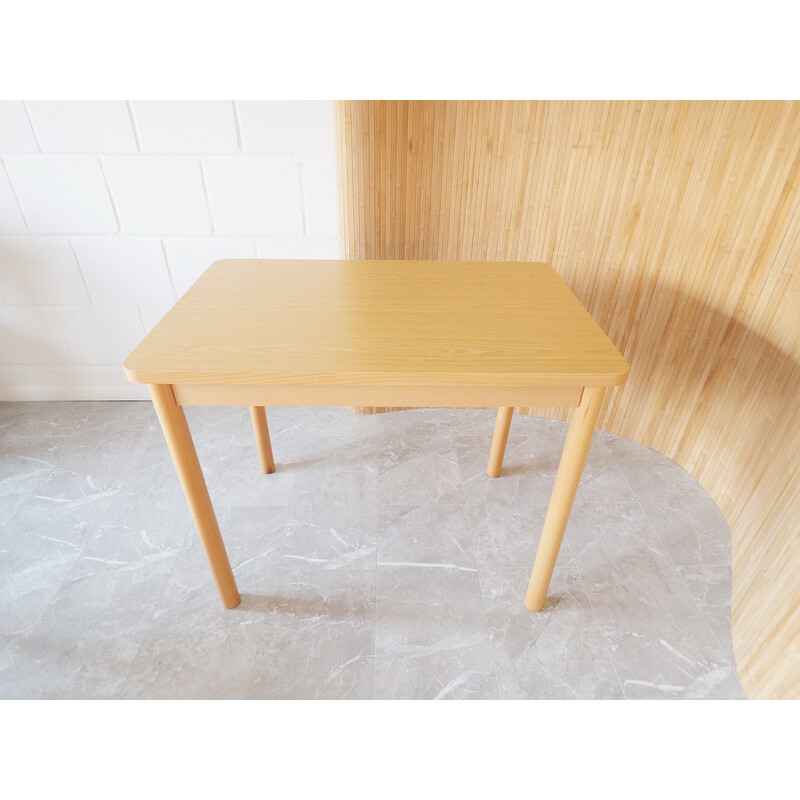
(259, 333)
(258, 416)
(184, 456)
(677, 225)
(576, 447)
(502, 426)
(375, 323)
(394, 396)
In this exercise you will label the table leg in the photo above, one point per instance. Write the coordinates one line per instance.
(579, 437)
(258, 415)
(184, 456)
(499, 439)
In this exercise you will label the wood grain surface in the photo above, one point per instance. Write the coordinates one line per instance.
(258, 322)
(677, 224)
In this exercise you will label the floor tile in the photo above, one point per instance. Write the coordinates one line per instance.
(317, 637)
(479, 422)
(419, 470)
(521, 481)
(660, 643)
(431, 639)
(38, 548)
(378, 561)
(557, 653)
(710, 587)
(194, 648)
(432, 536)
(506, 535)
(21, 471)
(688, 521)
(85, 642)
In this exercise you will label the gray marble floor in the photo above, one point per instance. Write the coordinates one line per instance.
(379, 561)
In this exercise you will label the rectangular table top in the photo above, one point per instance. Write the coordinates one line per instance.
(391, 323)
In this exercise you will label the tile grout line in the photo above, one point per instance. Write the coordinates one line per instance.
(381, 438)
(600, 630)
(264, 621)
(156, 605)
(16, 199)
(169, 272)
(589, 599)
(161, 594)
(257, 649)
(301, 185)
(477, 571)
(30, 494)
(110, 197)
(260, 634)
(699, 609)
(33, 129)
(73, 362)
(132, 119)
(74, 252)
(669, 556)
(377, 547)
(237, 127)
(55, 594)
(207, 197)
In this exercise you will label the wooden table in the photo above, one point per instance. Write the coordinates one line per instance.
(378, 333)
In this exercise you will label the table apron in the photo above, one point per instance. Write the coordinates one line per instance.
(384, 396)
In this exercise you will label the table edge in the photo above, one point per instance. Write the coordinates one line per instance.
(404, 379)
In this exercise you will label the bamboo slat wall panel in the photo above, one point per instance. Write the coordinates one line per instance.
(678, 225)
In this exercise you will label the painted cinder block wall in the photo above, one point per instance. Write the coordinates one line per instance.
(109, 210)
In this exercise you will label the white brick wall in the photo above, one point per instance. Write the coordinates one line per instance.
(319, 188)
(264, 130)
(32, 336)
(200, 126)
(82, 126)
(16, 134)
(124, 271)
(62, 194)
(254, 197)
(158, 195)
(40, 272)
(186, 257)
(11, 220)
(110, 210)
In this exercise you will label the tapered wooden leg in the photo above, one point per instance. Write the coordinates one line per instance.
(501, 427)
(181, 447)
(258, 415)
(579, 437)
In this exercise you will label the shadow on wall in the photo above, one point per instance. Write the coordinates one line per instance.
(698, 375)
(720, 399)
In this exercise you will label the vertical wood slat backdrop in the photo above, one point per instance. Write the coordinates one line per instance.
(677, 224)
